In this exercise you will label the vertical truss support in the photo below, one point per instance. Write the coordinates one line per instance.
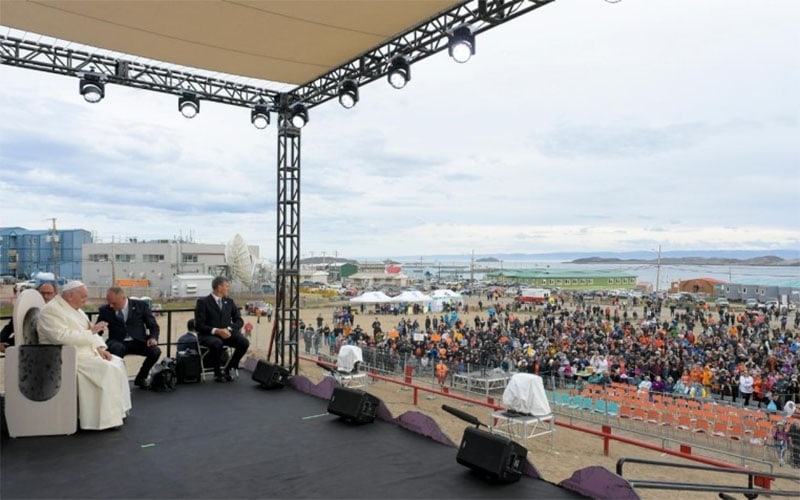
(287, 301)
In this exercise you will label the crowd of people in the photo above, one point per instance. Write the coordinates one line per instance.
(695, 352)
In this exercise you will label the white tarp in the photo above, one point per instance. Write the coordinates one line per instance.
(525, 394)
(412, 296)
(347, 358)
(372, 298)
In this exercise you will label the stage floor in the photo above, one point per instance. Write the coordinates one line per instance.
(238, 440)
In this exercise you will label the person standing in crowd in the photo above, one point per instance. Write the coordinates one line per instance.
(48, 291)
(132, 329)
(782, 441)
(219, 323)
(745, 387)
(104, 396)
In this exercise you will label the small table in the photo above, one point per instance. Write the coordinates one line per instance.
(520, 427)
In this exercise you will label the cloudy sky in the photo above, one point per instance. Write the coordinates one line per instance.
(583, 126)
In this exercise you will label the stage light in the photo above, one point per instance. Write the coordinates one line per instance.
(259, 116)
(462, 44)
(298, 115)
(399, 72)
(348, 94)
(189, 105)
(92, 87)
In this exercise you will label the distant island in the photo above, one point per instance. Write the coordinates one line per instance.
(767, 260)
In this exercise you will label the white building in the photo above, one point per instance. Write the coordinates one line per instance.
(147, 267)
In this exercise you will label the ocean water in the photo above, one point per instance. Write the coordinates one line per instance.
(648, 273)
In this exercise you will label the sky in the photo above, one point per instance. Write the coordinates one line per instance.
(584, 126)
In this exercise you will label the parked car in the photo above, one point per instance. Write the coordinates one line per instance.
(771, 304)
(751, 303)
(722, 303)
(257, 306)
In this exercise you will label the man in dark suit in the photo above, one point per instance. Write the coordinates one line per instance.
(132, 329)
(219, 323)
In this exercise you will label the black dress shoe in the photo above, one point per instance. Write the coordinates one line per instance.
(219, 378)
(141, 383)
(228, 377)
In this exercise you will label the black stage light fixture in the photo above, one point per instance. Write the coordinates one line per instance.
(92, 87)
(348, 94)
(399, 72)
(298, 115)
(462, 44)
(189, 104)
(259, 116)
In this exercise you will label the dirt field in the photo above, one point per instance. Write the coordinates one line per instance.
(573, 449)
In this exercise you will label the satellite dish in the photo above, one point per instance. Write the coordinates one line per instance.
(240, 262)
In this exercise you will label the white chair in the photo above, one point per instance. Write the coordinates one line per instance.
(41, 380)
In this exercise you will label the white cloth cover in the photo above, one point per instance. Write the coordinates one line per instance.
(348, 356)
(26, 301)
(104, 396)
(525, 394)
(58, 415)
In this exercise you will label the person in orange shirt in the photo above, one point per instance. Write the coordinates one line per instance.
(706, 378)
(441, 372)
(758, 394)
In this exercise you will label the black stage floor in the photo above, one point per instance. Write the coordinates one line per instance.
(238, 440)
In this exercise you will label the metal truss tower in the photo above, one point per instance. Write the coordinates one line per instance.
(287, 299)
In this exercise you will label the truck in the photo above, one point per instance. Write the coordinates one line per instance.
(188, 286)
(533, 295)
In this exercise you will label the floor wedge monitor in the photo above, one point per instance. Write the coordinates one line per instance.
(495, 457)
(269, 375)
(353, 405)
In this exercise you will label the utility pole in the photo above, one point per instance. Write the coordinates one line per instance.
(472, 269)
(658, 269)
(54, 246)
(113, 264)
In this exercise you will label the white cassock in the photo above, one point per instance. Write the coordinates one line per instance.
(104, 396)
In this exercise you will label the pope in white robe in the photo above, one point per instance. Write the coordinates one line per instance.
(104, 396)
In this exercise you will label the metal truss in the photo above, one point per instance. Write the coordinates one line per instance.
(68, 62)
(416, 44)
(287, 299)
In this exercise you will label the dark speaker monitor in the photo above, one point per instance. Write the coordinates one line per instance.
(353, 405)
(495, 457)
(269, 375)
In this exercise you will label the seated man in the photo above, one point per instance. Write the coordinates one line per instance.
(104, 397)
(132, 329)
(219, 323)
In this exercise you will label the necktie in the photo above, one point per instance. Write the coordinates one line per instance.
(219, 303)
(121, 316)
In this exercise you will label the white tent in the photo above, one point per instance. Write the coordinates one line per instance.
(372, 298)
(444, 293)
(412, 296)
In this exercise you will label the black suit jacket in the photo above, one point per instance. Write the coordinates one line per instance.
(207, 315)
(140, 321)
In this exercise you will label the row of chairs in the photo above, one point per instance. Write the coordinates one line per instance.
(707, 408)
(720, 429)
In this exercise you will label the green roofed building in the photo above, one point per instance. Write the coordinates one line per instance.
(567, 279)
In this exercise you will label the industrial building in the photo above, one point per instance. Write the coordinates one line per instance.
(24, 252)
